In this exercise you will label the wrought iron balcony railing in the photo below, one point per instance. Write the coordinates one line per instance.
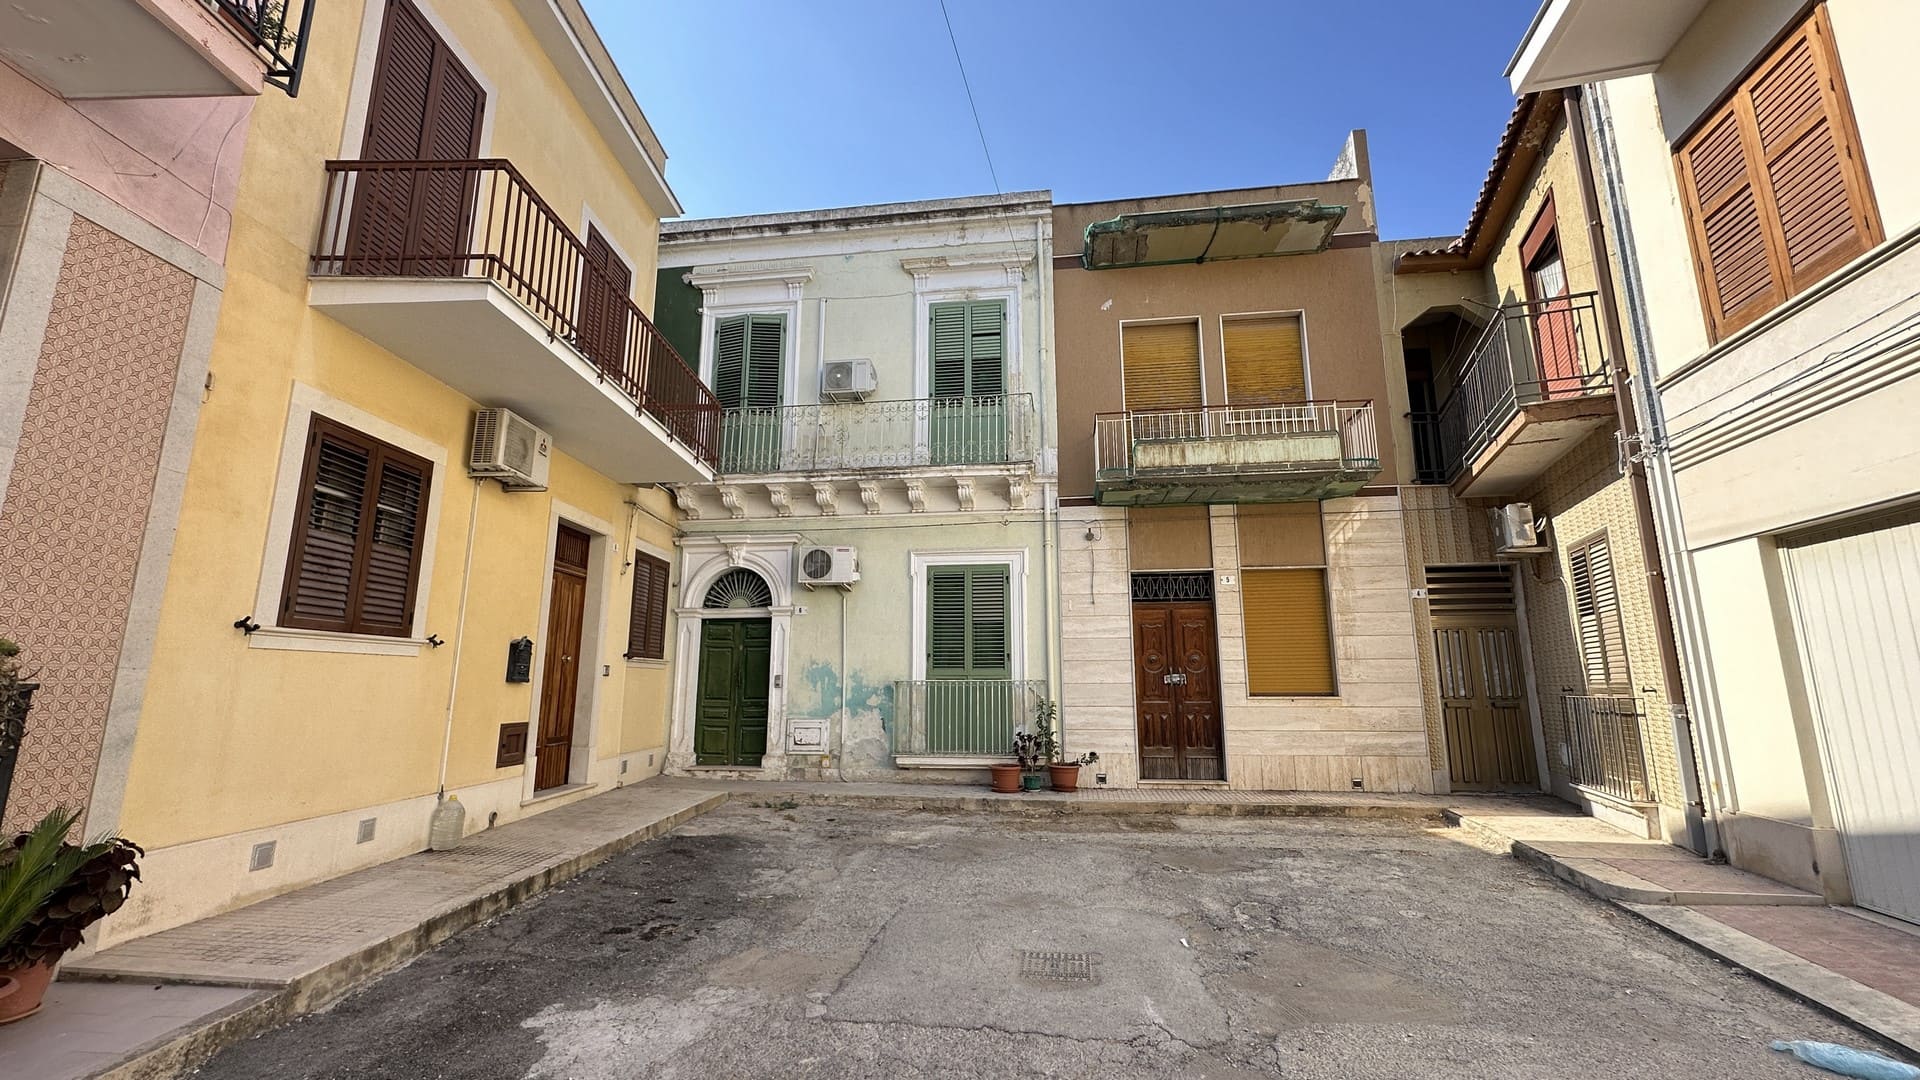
(481, 219)
(277, 30)
(999, 429)
(1604, 745)
(1307, 437)
(962, 717)
(1532, 352)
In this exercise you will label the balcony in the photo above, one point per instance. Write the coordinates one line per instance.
(1256, 454)
(960, 721)
(462, 270)
(1532, 387)
(1604, 747)
(870, 435)
(157, 48)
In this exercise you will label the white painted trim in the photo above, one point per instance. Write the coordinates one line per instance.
(1200, 336)
(303, 403)
(1014, 559)
(353, 129)
(295, 639)
(1306, 353)
(702, 560)
(958, 277)
(593, 636)
(789, 310)
(590, 220)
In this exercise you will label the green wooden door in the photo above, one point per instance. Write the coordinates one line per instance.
(968, 421)
(972, 706)
(747, 354)
(730, 716)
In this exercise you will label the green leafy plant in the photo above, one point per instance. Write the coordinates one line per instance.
(1046, 716)
(52, 890)
(1027, 749)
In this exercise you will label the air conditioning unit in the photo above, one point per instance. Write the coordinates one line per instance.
(510, 450)
(1517, 532)
(847, 380)
(828, 566)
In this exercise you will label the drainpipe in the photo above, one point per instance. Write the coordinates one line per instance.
(1624, 388)
(459, 635)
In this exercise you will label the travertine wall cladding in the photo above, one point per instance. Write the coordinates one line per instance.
(77, 503)
(1440, 531)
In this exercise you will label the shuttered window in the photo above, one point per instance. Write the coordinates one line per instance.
(647, 622)
(1266, 360)
(1775, 188)
(1596, 616)
(603, 303)
(1289, 637)
(969, 349)
(354, 563)
(967, 623)
(1161, 365)
(747, 355)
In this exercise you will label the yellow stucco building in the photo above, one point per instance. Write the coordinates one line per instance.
(348, 602)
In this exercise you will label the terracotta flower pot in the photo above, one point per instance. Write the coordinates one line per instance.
(21, 990)
(1066, 775)
(1006, 778)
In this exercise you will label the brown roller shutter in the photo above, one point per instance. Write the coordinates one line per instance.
(1289, 642)
(1266, 360)
(1161, 365)
(1775, 189)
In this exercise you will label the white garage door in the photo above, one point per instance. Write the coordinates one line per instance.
(1857, 601)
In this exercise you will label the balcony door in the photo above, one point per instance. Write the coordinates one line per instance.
(603, 304)
(425, 107)
(748, 353)
(972, 707)
(967, 423)
(1556, 340)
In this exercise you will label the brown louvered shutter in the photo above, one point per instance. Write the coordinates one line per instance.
(1288, 636)
(1775, 188)
(354, 561)
(1596, 614)
(1161, 365)
(603, 307)
(1266, 360)
(647, 624)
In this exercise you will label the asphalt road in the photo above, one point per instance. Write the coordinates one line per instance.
(846, 943)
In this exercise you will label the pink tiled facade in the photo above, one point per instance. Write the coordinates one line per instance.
(76, 510)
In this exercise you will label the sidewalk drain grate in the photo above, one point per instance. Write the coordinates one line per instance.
(1058, 966)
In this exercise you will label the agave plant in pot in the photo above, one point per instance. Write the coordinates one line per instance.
(50, 892)
(1063, 771)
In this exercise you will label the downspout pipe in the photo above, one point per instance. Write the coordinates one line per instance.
(1636, 472)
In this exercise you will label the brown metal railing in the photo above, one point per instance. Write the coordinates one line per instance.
(1605, 751)
(481, 219)
(1536, 351)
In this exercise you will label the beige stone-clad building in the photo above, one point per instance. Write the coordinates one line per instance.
(1234, 590)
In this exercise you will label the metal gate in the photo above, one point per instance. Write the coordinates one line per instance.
(1483, 696)
(1856, 599)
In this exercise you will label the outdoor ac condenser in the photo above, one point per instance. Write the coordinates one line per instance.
(1516, 531)
(847, 380)
(828, 566)
(509, 449)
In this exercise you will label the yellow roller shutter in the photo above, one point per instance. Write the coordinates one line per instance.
(1265, 360)
(1162, 365)
(1289, 645)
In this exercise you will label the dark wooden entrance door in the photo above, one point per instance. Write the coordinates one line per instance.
(1176, 680)
(1483, 696)
(425, 107)
(560, 684)
(730, 717)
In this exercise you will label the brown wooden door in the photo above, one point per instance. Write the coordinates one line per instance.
(603, 303)
(425, 106)
(1176, 679)
(560, 685)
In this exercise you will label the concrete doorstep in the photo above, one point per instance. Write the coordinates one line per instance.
(1861, 969)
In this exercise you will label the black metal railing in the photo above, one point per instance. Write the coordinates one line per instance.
(1429, 455)
(1532, 352)
(278, 31)
(481, 219)
(1605, 748)
(13, 729)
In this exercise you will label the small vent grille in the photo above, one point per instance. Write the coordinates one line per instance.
(262, 855)
(1183, 586)
(367, 825)
(486, 436)
(1457, 590)
(1058, 966)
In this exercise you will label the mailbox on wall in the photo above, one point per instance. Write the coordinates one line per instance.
(520, 660)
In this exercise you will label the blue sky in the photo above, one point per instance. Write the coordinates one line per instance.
(767, 106)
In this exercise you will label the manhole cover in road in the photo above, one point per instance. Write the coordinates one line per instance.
(1058, 966)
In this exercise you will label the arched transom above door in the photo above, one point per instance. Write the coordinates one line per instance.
(738, 588)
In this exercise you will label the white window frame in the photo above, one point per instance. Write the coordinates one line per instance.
(1014, 559)
(997, 279)
(775, 292)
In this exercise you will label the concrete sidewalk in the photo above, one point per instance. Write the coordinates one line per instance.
(1861, 967)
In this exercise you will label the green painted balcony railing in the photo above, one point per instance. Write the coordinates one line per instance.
(999, 429)
(962, 717)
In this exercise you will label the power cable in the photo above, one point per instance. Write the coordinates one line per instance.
(975, 109)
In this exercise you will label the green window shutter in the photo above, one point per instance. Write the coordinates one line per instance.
(730, 361)
(747, 353)
(967, 622)
(969, 348)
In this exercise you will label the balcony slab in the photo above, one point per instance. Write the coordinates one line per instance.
(127, 49)
(473, 336)
(1537, 435)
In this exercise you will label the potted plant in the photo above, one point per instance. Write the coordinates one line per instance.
(1065, 772)
(16, 696)
(1030, 754)
(50, 892)
(1006, 775)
